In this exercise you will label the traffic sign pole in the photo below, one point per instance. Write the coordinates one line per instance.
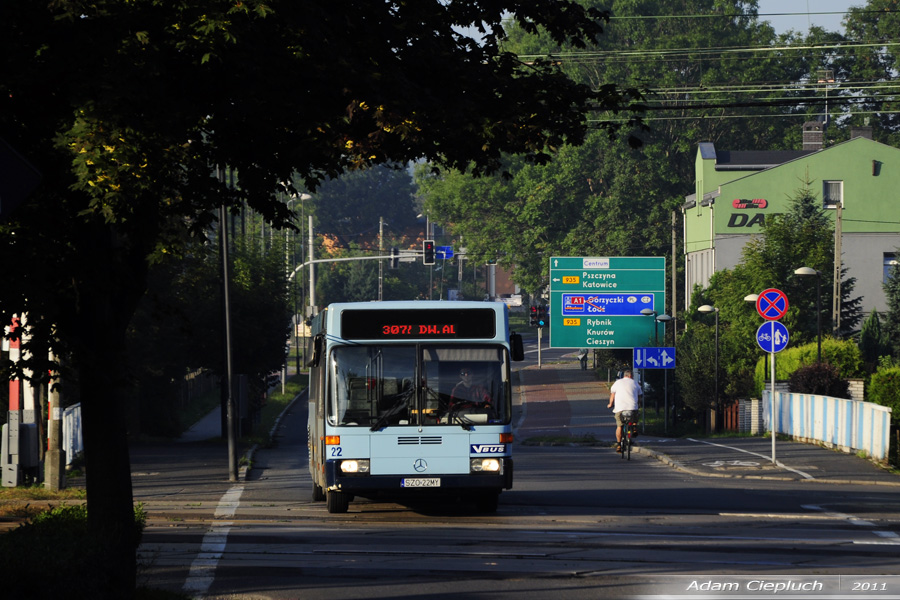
(772, 304)
(772, 398)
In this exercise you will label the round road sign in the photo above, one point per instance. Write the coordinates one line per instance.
(772, 304)
(772, 336)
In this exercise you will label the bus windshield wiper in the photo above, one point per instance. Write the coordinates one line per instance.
(394, 410)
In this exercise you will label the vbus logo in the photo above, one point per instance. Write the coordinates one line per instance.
(488, 448)
(740, 203)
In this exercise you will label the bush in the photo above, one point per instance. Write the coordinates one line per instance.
(56, 542)
(844, 355)
(821, 379)
(884, 389)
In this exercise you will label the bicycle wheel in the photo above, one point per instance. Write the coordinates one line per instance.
(627, 449)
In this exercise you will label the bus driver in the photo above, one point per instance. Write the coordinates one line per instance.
(467, 391)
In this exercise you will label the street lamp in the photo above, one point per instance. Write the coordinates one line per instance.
(706, 308)
(665, 319)
(647, 312)
(818, 274)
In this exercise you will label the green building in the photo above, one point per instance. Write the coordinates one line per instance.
(858, 181)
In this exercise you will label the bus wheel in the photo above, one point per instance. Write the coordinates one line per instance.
(486, 502)
(337, 502)
(318, 494)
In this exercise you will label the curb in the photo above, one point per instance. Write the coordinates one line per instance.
(247, 459)
(679, 466)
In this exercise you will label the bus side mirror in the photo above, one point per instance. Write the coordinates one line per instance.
(316, 345)
(516, 348)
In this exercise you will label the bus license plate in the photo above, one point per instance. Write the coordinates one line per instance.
(418, 482)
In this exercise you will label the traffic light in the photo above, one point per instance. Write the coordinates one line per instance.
(534, 316)
(428, 252)
(395, 257)
(543, 318)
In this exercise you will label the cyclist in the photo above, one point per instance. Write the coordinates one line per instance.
(624, 395)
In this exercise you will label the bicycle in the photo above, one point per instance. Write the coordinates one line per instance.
(629, 432)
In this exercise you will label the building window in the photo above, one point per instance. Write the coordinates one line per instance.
(832, 194)
(890, 259)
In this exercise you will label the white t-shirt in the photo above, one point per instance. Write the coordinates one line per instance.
(627, 393)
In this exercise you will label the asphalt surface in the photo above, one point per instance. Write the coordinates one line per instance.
(560, 401)
(561, 404)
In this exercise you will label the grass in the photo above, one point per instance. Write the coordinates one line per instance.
(26, 502)
(274, 406)
(29, 505)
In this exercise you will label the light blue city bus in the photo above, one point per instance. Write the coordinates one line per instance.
(410, 400)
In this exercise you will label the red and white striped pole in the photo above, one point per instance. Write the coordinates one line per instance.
(15, 346)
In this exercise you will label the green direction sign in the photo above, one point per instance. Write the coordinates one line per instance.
(596, 302)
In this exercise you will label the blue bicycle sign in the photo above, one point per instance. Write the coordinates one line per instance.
(772, 336)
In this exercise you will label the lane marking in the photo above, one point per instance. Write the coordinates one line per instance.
(767, 458)
(203, 568)
(888, 538)
(839, 515)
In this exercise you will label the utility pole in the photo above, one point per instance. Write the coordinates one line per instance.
(230, 412)
(312, 272)
(836, 299)
(380, 262)
(674, 306)
(55, 462)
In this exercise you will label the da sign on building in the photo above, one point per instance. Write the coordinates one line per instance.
(737, 191)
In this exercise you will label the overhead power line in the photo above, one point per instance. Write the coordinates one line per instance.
(695, 53)
(700, 117)
(745, 15)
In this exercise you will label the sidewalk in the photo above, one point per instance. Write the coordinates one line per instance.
(560, 400)
(207, 428)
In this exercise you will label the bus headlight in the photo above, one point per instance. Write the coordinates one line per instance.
(355, 466)
(486, 465)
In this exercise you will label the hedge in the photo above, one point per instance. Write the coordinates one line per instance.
(884, 389)
(843, 354)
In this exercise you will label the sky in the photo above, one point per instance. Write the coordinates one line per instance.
(802, 13)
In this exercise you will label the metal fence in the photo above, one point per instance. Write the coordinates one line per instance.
(849, 425)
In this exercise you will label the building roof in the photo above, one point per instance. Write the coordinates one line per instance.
(755, 160)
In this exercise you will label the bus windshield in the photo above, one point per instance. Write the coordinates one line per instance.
(424, 385)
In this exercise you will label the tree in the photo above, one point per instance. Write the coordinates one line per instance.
(127, 108)
(803, 236)
(891, 326)
(177, 327)
(606, 197)
(874, 60)
(872, 341)
(695, 373)
(350, 206)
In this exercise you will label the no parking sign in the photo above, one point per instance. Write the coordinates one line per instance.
(772, 304)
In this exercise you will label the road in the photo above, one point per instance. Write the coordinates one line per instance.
(579, 521)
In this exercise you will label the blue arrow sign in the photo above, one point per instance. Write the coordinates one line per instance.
(772, 336)
(443, 252)
(653, 358)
